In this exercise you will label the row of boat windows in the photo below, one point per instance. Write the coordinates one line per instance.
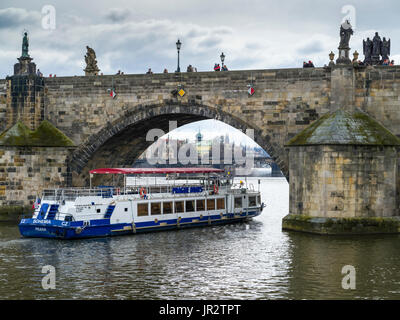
(169, 207)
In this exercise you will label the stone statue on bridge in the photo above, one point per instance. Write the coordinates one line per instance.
(376, 47)
(25, 65)
(346, 32)
(385, 49)
(367, 50)
(25, 46)
(91, 63)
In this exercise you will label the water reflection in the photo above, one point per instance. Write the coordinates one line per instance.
(254, 260)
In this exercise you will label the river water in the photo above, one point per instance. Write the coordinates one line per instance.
(254, 260)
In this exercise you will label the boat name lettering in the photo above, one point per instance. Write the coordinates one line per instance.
(41, 221)
(40, 229)
(187, 189)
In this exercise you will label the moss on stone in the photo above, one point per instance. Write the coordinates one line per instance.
(348, 128)
(14, 213)
(46, 135)
(348, 226)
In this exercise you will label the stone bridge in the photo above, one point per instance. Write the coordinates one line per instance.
(111, 132)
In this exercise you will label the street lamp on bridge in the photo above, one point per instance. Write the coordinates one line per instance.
(222, 56)
(178, 47)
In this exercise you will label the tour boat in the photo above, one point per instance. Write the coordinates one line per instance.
(186, 197)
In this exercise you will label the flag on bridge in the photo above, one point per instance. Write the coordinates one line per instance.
(112, 92)
(250, 90)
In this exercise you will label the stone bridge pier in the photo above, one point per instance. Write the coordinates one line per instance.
(333, 132)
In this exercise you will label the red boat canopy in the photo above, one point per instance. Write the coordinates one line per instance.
(154, 170)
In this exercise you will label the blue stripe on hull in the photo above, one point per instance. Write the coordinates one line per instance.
(102, 228)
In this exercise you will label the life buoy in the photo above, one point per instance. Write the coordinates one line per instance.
(216, 189)
(142, 192)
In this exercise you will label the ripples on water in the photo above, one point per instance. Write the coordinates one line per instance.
(253, 260)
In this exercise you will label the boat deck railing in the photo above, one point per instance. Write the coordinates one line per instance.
(70, 194)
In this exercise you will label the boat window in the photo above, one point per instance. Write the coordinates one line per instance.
(179, 206)
(210, 204)
(252, 201)
(258, 199)
(142, 209)
(200, 205)
(155, 208)
(238, 202)
(167, 207)
(220, 203)
(189, 205)
(98, 210)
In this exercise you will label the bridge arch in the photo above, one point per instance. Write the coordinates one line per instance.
(120, 142)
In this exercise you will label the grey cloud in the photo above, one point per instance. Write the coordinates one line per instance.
(116, 15)
(210, 42)
(15, 17)
(195, 33)
(222, 30)
(311, 47)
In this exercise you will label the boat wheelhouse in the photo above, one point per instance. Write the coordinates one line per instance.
(150, 199)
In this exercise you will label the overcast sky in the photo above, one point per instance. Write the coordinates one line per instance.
(134, 35)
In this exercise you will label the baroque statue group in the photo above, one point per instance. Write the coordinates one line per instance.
(376, 51)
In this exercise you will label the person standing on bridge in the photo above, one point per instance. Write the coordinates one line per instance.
(217, 67)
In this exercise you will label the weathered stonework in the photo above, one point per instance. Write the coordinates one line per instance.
(343, 181)
(24, 100)
(25, 172)
(344, 167)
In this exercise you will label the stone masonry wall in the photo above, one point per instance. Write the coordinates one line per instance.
(25, 172)
(343, 181)
(377, 92)
(3, 104)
